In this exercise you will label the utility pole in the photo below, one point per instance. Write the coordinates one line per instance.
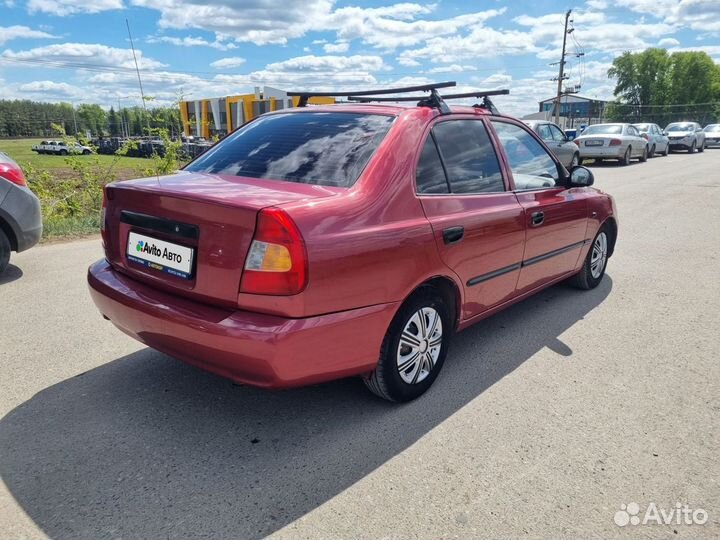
(137, 69)
(561, 74)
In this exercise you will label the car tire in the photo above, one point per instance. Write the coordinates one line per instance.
(666, 151)
(691, 150)
(625, 160)
(644, 156)
(389, 380)
(651, 153)
(701, 148)
(63, 152)
(595, 263)
(5, 249)
(86, 152)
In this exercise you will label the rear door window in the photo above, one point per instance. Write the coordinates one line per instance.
(322, 148)
(430, 176)
(469, 158)
(544, 132)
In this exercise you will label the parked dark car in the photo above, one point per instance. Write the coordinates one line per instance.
(20, 216)
(323, 242)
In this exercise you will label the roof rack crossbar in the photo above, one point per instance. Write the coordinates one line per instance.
(304, 96)
(435, 99)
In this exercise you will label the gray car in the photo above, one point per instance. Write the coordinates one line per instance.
(686, 136)
(561, 145)
(20, 216)
(658, 141)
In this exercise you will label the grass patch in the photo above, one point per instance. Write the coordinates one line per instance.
(19, 150)
(70, 227)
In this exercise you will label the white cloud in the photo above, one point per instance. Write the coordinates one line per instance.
(256, 21)
(8, 33)
(191, 41)
(81, 55)
(52, 88)
(668, 42)
(235, 61)
(453, 68)
(329, 63)
(339, 47)
(69, 7)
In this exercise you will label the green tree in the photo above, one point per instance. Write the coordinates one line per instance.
(92, 117)
(657, 87)
(113, 122)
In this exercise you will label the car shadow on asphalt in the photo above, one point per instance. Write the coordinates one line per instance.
(10, 274)
(147, 447)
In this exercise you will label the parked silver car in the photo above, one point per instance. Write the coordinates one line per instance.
(686, 136)
(657, 139)
(555, 139)
(612, 141)
(20, 215)
(712, 135)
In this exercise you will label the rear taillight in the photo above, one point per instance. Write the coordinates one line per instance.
(615, 142)
(276, 263)
(12, 173)
(577, 142)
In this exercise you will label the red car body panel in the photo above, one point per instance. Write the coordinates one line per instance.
(368, 248)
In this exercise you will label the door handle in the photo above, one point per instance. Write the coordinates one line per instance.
(537, 218)
(452, 235)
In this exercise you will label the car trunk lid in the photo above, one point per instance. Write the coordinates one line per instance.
(202, 219)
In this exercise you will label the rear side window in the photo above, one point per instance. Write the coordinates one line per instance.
(470, 160)
(327, 149)
(544, 132)
(430, 176)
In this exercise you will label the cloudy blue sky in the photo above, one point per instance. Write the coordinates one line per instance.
(78, 50)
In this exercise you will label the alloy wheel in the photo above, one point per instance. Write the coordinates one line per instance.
(420, 345)
(599, 255)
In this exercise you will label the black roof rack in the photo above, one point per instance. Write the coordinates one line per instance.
(432, 100)
(486, 103)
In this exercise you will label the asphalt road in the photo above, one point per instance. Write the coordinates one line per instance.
(546, 419)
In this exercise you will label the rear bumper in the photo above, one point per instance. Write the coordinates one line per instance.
(252, 348)
(681, 143)
(609, 152)
(20, 210)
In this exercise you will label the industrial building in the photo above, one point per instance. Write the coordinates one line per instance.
(219, 116)
(574, 110)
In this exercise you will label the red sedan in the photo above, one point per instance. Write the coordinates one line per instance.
(352, 239)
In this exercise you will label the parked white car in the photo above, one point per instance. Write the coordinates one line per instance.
(712, 135)
(61, 148)
(612, 141)
(657, 139)
(686, 136)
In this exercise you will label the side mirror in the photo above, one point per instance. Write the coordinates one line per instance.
(581, 177)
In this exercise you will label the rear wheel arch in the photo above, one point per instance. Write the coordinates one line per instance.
(10, 233)
(448, 290)
(611, 225)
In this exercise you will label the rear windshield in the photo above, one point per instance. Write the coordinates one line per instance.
(327, 149)
(680, 127)
(599, 129)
